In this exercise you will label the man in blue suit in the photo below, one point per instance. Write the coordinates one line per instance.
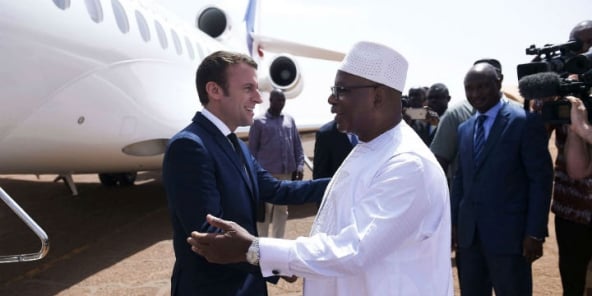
(206, 170)
(501, 192)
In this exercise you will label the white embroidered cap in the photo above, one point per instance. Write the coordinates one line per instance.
(378, 63)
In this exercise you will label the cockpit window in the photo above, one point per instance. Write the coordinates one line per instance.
(120, 16)
(62, 4)
(95, 11)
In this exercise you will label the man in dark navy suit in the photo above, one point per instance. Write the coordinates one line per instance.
(207, 170)
(501, 192)
(330, 149)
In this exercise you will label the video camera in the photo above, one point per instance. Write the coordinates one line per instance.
(548, 76)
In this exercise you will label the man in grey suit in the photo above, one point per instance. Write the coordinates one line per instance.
(501, 192)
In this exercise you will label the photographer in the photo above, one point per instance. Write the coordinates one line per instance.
(419, 111)
(579, 137)
(572, 197)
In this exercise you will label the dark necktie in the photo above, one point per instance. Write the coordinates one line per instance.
(234, 140)
(479, 139)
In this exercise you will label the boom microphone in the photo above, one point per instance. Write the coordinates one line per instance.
(539, 85)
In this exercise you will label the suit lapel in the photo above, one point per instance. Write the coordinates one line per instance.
(247, 174)
(501, 120)
(225, 145)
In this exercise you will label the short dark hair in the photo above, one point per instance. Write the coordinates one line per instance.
(439, 88)
(213, 68)
(276, 92)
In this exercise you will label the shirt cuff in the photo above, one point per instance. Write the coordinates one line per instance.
(274, 256)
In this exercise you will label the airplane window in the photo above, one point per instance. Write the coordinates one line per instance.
(120, 16)
(95, 11)
(143, 25)
(62, 4)
(189, 48)
(199, 52)
(161, 35)
(177, 42)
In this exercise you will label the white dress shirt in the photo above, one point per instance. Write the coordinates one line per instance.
(383, 227)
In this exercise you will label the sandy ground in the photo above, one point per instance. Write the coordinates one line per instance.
(116, 241)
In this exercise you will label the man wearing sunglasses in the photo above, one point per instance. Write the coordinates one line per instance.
(383, 227)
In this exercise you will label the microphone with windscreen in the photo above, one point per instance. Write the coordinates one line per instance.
(545, 86)
(540, 85)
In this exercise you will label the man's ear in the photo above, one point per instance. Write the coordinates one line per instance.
(214, 90)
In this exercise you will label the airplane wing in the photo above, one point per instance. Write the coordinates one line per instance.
(282, 46)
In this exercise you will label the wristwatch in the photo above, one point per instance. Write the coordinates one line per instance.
(253, 253)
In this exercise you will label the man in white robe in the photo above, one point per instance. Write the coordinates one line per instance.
(384, 225)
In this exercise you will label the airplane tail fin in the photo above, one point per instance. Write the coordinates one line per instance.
(257, 43)
(251, 16)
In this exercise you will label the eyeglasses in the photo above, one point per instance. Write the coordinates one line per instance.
(338, 90)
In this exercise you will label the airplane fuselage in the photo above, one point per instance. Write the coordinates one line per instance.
(87, 89)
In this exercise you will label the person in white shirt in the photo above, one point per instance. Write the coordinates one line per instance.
(383, 227)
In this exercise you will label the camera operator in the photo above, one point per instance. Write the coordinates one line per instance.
(572, 196)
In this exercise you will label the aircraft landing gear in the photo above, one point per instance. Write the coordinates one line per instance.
(118, 179)
(67, 178)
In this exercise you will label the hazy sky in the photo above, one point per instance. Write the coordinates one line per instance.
(440, 39)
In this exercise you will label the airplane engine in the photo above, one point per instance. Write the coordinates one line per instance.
(283, 73)
(214, 22)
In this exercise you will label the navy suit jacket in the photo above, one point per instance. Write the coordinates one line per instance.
(507, 197)
(203, 175)
(331, 148)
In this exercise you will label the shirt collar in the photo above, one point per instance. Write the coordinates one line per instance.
(216, 121)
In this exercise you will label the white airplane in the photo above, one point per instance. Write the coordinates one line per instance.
(99, 86)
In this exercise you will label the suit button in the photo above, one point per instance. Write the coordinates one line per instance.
(275, 272)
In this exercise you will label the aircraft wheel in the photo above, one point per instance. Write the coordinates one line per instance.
(127, 179)
(117, 179)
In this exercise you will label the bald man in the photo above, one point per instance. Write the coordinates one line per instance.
(501, 192)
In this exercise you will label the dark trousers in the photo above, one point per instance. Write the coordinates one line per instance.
(480, 272)
(575, 249)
